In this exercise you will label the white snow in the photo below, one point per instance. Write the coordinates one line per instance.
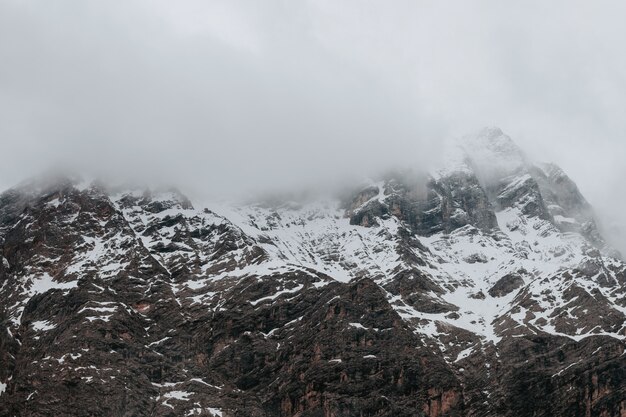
(464, 354)
(98, 309)
(278, 294)
(178, 395)
(54, 203)
(45, 282)
(158, 342)
(42, 325)
(215, 411)
(561, 219)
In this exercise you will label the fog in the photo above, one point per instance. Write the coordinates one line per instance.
(236, 96)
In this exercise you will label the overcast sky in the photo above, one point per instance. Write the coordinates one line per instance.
(242, 95)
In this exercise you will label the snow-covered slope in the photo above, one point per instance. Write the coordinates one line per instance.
(462, 266)
(482, 270)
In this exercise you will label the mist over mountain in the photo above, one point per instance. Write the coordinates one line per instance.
(461, 291)
(233, 96)
(294, 209)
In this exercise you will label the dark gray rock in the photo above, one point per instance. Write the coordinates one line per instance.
(506, 285)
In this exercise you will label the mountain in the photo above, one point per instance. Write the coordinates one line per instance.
(481, 289)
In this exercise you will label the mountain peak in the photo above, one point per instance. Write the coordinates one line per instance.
(488, 153)
(494, 140)
(493, 154)
(482, 281)
(491, 134)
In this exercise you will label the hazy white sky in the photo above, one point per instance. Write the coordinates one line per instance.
(242, 94)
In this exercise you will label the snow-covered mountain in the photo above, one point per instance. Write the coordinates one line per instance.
(481, 289)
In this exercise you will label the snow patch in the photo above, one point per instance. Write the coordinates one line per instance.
(42, 325)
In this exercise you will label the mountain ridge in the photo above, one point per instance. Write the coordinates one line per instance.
(464, 292)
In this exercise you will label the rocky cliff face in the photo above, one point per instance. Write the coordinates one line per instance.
(483, 289)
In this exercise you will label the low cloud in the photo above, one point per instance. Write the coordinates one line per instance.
(240, 96)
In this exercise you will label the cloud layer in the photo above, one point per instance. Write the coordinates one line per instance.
(244, 95)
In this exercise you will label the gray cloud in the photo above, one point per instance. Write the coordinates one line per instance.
(242, 95)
